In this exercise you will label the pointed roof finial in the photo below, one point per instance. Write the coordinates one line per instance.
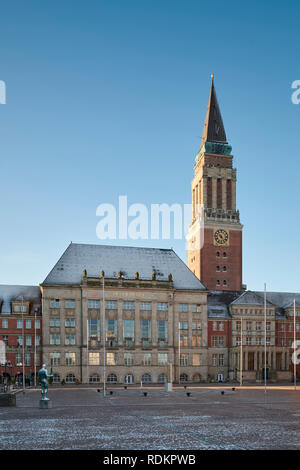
(213, 130)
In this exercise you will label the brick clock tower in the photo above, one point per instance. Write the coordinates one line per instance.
(214, 240)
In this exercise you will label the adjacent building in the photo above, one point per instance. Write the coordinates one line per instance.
(20, 331)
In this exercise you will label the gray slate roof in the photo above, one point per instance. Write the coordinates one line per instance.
(251, 298)
(128, 260)
(9, 293)
(218, 303)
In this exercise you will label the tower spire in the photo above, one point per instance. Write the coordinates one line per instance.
(213, 130)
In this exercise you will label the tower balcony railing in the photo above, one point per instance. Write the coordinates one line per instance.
(222, 214)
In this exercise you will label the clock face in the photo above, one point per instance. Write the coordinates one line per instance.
(221, 237)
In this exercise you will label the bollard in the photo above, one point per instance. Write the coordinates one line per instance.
(188, 394)
(222, 393)
(125, 388)
(98, 390)
(145, 394)
(233, 389)
(111, 392)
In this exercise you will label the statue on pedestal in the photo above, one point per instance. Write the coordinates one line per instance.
(43, 381)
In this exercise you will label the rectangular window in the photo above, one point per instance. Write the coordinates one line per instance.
(162, 330)
(20, 340)
(94, 329)
(28, 324)
(184, 359)
(162, 359)
(38, 324)
(111, 330)
(17, 308)
(268, 326)
(196, 308)
(55, 359)
(70, 322)
(128, 305)
(27, 359)
(54, 303)
(94, 304)
(196, 341)
(54, 338)
(196, 325)
(145, 305)
(128, 359)
(221, 359)
(183, 325)
(28, 341)
(54, 322)
(162, 306)
(5, 323)
(218, 341)
(94, 358)
(70, 339)
(111, 359)
(238, 341)
(258, 326)
(146, 330)
(147, 359)
(238, 325)
(19, 324)
(70, 303)
(37, 340)
(111, 305)
(183, 307)
(248, 340)
(128, 329)
(70, 358)
(5, 339)
(183, 340)
(196, 359)
(214, 359)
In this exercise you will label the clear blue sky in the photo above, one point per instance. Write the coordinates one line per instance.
(106, 98)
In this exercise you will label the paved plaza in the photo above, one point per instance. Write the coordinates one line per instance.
(81, 418)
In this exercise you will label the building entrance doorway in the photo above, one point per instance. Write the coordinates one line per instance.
(129, 379)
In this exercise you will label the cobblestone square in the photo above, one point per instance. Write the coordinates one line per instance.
(81, 418)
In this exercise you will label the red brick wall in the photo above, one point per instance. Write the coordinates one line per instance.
(233, 262)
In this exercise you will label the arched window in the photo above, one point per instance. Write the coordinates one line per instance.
(162, 378)
(112, 379)
(146, 378)
(183, 378)
(70, 378)
(224, 283)
(196, 378)
(218, 254)
(94, 378)
(218, 282)
(218, 268)
(224, 269)
(224, 254)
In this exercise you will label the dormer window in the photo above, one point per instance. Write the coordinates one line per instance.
(19, 307)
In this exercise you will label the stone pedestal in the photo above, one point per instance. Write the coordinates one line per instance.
(45, 403)
(7, 399)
